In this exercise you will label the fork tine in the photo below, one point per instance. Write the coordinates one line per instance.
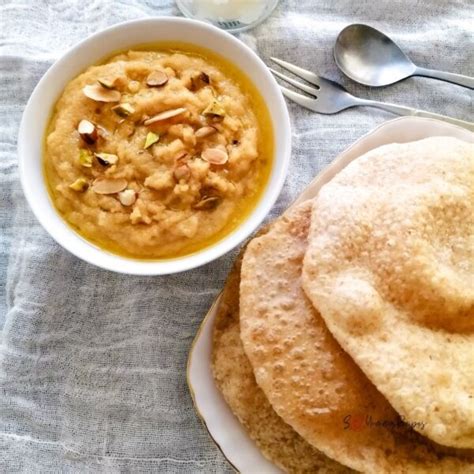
(299, 71)
(297, 84)
(300, 99)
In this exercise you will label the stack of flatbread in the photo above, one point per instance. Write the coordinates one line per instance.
(344, 336)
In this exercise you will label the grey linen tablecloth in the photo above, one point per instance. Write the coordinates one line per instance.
(92, 364)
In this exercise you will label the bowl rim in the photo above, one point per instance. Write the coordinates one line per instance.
(99, 257)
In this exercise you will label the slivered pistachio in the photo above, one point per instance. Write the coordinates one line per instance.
(157, 79)
(214, 109)
(88, 131)
(79, 185)
(106, 159)
(208, 203)
(205, 131)
(215, 156)
(123, 110)
(109, 185)
(167, 114)
(85, 158)
(101, 94)
(151, 139)
(107, 83)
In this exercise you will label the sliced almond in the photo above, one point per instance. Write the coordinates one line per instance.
(88, 131)
(205, 131)
(215, 156)
(151, 139)
(101, 94)
(106, 159)
(181, 157)
(109, 185)
(127, 197)
(182, 172)
(79, 185)
(167, 114)
(123, 110)
(157, 79)
(208, 203)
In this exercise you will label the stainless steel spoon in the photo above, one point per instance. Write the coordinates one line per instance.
(368, 56)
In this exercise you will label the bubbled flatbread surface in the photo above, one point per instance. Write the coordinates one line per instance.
(234, 378)
(390, 267)
(307, 377)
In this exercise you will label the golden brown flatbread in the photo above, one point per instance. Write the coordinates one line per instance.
(234, 378)
(308, 379)
(390, 267)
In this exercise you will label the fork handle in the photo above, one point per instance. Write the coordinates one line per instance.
(402, 110)
(458, 79)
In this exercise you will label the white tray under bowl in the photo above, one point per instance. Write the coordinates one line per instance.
(222, 425)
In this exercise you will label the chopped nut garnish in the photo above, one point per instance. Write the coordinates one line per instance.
(151, 139)
(123, 110)
(102, 132)
(182, 172)
(215, 156)
(214, 109)
(181, 157)
(205, 131)
(101, 94)
(79, 185)
(109, 185)
(157, 79)
(165, 115)
(199, 80)
(106, 159)
(208, 203)
(85, 158)
(107, 83)
(88, 131)
(127, 197)
(205, 78)
(133, 86)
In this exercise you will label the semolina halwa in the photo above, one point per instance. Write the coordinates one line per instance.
(158, 154)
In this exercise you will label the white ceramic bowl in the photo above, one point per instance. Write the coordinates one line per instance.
(93, 49)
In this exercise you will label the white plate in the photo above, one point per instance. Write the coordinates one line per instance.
(224, 428)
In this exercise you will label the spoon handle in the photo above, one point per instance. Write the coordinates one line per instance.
(458, 79)
(402, 110)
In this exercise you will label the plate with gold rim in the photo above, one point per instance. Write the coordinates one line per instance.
(223, 427)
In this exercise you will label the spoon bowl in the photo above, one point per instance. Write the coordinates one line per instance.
(369, 57)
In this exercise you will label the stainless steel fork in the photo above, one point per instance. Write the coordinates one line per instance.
(328, 97)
